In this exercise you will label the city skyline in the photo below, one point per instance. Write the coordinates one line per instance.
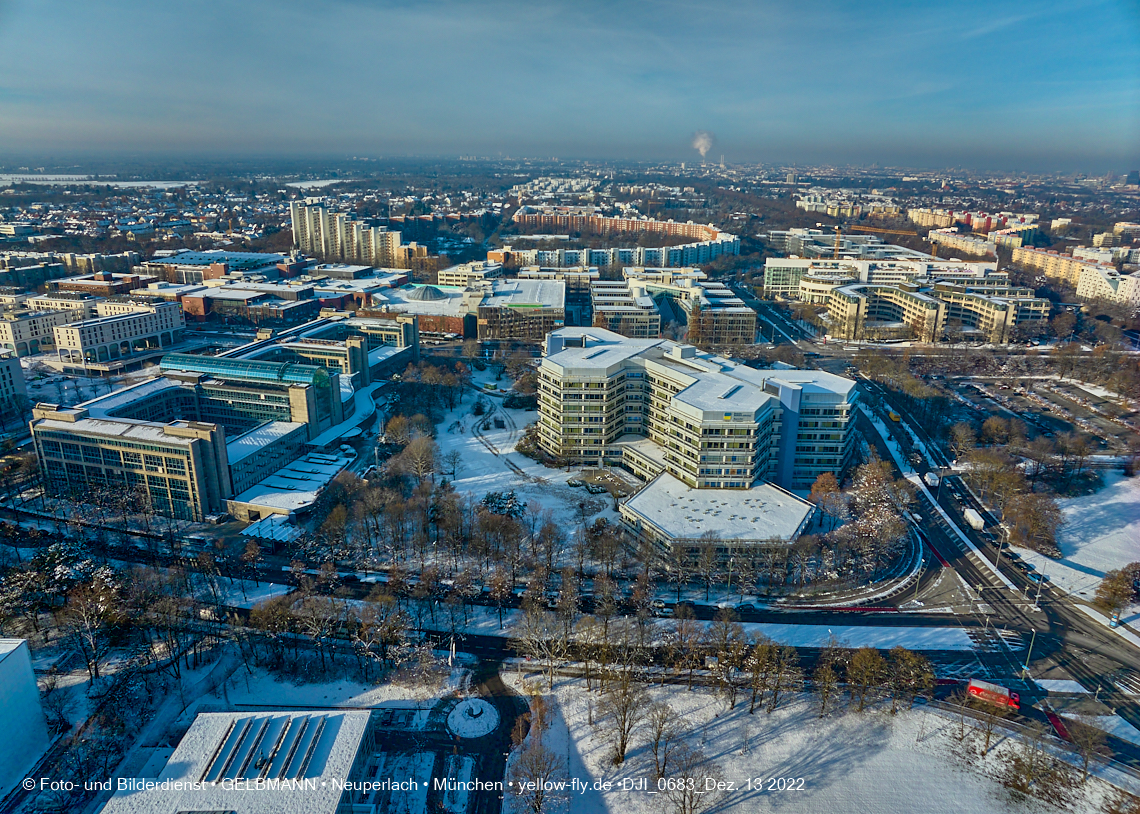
(1056, 87)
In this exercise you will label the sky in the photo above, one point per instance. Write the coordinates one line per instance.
(1031, 85)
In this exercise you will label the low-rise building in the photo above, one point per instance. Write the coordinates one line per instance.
(465, 274)
(103, 283)
(251, 762)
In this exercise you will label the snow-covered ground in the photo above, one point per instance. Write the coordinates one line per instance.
(1115, 725)
(481, 471)
(873, 763)
(1101, 533)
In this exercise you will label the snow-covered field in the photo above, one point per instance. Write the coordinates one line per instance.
(873, 763)
(1101, 533)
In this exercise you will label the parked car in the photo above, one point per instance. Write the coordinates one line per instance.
(575, 482)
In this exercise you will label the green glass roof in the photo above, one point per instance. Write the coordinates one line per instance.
(246, 370)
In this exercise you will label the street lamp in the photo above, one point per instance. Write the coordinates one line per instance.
(1028, 654)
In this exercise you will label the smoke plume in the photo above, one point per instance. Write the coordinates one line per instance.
(703, 141)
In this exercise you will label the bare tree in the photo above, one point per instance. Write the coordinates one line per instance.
(1089, 742)
(622, 704)
(536, 769)
(825, 682)
(865, 674)
(664, 735)
(694, 787)
(785, 676)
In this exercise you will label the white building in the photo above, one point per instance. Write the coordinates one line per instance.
(27, 331)
(25, 735)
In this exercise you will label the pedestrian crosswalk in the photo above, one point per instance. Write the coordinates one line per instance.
(992, 640)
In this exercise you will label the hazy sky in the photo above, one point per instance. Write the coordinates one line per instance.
(1029, 84)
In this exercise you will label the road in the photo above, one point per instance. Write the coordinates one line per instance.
(1061, 635)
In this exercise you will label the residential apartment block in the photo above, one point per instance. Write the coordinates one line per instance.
(949, 238)
(1063, 267)
(340, 236)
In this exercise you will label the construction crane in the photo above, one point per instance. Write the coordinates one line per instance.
(883, 231)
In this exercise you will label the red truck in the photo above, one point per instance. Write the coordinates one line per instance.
(993, 694)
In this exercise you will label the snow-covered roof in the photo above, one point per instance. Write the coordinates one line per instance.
(226, 760)
(121, 427)
(758, 514)
(296, 486)
(258, 438)
(399, 299)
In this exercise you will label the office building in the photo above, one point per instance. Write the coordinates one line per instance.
(177, 468)
(812, 243)
(577, 280)
(195, 268)
(1099, 282)
(698, 428)
(625, 307)
(102, 283)
(928, 309)
(712, 423)
(340, 236)
(782, 275)
(124, 328)
(27, 332)
(81, 303)
(13, 387)
(635, 307)
(495, 309)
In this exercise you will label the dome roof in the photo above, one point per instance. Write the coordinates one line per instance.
(425, 293)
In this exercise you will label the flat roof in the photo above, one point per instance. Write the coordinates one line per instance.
(760, 513)
(295, 486)
(514, 293)
(104, 406)
(287, 746)
(258, 438)
(205, 258)
(128, 428)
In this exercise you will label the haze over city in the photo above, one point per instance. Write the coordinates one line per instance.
(1027, 86)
